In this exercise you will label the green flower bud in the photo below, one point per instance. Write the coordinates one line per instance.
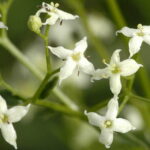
(34, 23)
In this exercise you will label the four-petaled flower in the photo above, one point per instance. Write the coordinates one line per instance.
(142, 33)
(109, 123)
(54, 13)
(115, 69)
(2, 24)
(75, 59)
(9, 116)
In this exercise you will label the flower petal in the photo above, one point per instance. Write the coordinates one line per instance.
(52, 19)
(122, 125)
(94, 118)
(106, 137)
(3, 105)
(67, 69)
(115, 58)
(129, 32)
(100, 74)
(9, 134)
(65, 16)
(112, 108)
(135, 45)
(147, 39)
(16, 113)
(81, 46)
(129, 67)
(60, 52)
(86, 66)
(115, 84)
(146, 29)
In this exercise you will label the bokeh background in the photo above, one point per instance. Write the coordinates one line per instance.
(44, 129)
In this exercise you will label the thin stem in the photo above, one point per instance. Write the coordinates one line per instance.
(116, 13)
(65, 99)
(59, 108)
(139, 98)
(5, 42)
(125, 100)
(46, 49)
(10, 89)
(98, 45)
(43, 84)
(10, 47)
(137, 140)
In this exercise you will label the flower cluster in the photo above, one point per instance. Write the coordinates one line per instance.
(75, 61)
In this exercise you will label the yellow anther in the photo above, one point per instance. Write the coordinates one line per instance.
(76, 57)
(108, 124)
(139, 26)
(57, 5)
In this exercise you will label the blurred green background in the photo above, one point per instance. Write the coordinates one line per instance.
(44, 129)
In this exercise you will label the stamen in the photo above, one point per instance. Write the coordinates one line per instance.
(139, 26)
(52, 4)
(108, 124)
(57, 5)
(104, 61)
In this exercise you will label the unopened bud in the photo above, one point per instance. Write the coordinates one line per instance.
(34, 23)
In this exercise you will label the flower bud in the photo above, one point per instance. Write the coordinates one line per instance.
(34, 23)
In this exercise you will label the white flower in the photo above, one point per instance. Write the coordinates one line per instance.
(109, 123)
(54, 13)
(115, 69)
(9, 116)
(75, 59)
(142, 33)
(2, 24)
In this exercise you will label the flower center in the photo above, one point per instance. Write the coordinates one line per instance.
(108, 124)
(140, 27)
(76, 57)
(115, 69)
(3, 118)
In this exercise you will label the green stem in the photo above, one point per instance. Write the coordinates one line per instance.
(125, 100)
(46, 49)
(6, 43)
(97, 44)
(116, 13)
(10, 47)
(137, 140)
(66, 100)
(59, 108)
(43, 84)
(139, 98)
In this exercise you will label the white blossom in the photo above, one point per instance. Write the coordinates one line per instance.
(54, 13)
(74, 59)
(142, 33)
(9, 116)
(115, 70)
(2, 25)
(109, 123)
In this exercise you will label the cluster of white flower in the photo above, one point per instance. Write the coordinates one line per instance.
(75, 61)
